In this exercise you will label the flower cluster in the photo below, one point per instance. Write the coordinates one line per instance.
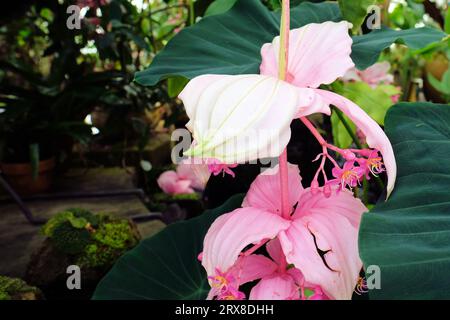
(359, 164)
(313, 253)
(310, 234)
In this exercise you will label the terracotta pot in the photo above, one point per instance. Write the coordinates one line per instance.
(20, 177)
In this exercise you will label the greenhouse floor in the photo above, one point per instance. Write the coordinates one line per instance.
(19, 238)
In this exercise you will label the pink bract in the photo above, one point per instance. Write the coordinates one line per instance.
(318, 222)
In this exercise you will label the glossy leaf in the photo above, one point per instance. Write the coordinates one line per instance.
(367, 48)
(408, 236)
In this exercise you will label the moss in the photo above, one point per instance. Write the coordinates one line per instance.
(176, 197)
(93, 240)
(70, 240)
(78, 218)
(13, 288)
(112, 239)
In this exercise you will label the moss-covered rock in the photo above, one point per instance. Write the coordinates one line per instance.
(17, 289)
(78, 237)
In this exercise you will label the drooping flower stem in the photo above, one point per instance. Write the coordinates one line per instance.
(282, 72)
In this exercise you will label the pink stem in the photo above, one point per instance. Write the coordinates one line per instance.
(314, 131)
(285, 28)
(285, 206)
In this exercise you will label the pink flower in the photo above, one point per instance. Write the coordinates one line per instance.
(374, 75)
(216, 167)
(227, 112)
(372, 163)
(349, 175)
(183, 181)
(317, 224)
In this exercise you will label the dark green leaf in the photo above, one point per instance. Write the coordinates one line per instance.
(367, 48)
(408, 236)
(175, 85)
(165, 266)
(219, 7)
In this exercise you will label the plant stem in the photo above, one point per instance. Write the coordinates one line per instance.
(191, 13)
(282, 71)
(348, 128)
(366, 191)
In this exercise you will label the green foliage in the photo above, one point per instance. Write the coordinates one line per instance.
(167, 197)
(13, 288)
(230, 43)
(54, 77)
(219, 7)
(175, 85)
(112, 240)
(442, 85)
(78, 218)
(367, 48)
(70, 240)
(94, 240)
(408, 236)
(165, 266)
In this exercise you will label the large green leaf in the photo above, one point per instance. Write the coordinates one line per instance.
(367, 48)
(408, 236)
(165, 266)
(230, 43)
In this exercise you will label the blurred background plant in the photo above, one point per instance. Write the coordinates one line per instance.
(57, 84)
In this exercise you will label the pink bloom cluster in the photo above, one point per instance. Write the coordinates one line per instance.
(310, 234)
(313, 254)
(356, 168)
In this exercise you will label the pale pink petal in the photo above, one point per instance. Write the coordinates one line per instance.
(252, 267)
(192, 93)
(167, 181)
(342, 203)
(375, 136)
(377, 74)
(352, 74)
(275, 251)
(276, 287)
(318, 54)
(334, 234)
(235, 119)
(182, 187)
(198, 174)
(232, 232)
(265, 192)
